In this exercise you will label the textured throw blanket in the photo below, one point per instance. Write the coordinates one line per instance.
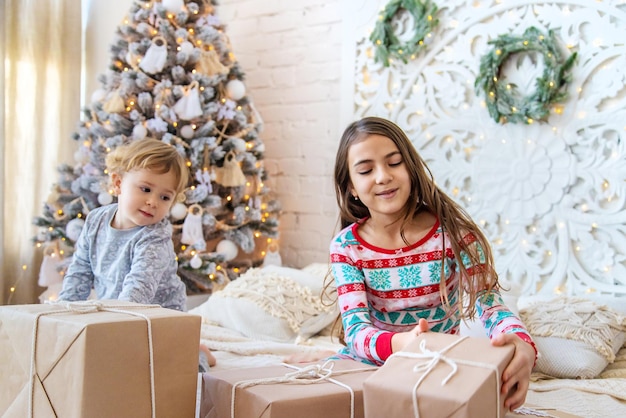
(233, 350)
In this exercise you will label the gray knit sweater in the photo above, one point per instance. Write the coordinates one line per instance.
(136, 265)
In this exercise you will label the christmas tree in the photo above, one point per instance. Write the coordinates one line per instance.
(173, 77)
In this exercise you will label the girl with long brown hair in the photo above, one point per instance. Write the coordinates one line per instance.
(409, 259)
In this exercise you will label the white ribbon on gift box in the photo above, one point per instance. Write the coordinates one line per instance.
(313, 373)
(437, 356)
(84, 307)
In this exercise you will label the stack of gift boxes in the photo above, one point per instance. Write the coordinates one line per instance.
(438, 375)
(115, 359)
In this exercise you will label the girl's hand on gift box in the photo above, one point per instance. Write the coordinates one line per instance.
(402, 339)
(516, 376)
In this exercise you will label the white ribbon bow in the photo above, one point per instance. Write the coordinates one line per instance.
(310, 374)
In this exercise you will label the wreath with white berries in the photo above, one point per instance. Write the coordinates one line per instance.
(385, 41)
(503, 101)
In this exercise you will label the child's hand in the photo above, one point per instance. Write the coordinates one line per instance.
(516, 375)
(209, 356)
(402, 339)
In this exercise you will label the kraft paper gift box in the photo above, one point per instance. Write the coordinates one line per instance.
(286, 391)
(93, 359)
(439, 375)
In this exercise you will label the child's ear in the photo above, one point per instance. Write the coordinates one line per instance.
(116, 183)
(352, 191)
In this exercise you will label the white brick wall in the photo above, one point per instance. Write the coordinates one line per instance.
(291, 53)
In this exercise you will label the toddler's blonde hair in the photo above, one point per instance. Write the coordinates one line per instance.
(151, 154)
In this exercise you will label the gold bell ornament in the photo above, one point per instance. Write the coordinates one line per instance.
(230, 174)
(209, 63)
(114, 103)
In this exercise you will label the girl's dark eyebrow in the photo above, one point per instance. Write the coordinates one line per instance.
(361, 162)
(391, 154)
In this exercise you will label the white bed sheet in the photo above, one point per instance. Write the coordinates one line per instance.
(233, 350)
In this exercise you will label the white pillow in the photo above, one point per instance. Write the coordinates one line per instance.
(571, 359)
(270, 303)
(576, 338)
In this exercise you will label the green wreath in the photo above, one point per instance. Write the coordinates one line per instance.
(387, 43)
(503, 101)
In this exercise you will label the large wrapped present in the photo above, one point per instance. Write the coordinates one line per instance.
(439, 375)
(327, 389)
(98, 359)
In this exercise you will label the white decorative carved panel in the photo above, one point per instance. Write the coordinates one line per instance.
(550, 196)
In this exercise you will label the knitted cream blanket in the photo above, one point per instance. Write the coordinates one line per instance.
(575, 319)
(581, 320)
(279, 296)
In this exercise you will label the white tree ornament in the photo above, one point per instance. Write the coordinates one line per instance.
(49, 274)
(235, 89)
(178, 211)
(186, 47)
(155, 58)
(140, 132)
(195, 262)
(173, 6)
(73, 228)
(105, 198)
(187, 132)
(192, 227)
(188, 106)
(227, 248)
